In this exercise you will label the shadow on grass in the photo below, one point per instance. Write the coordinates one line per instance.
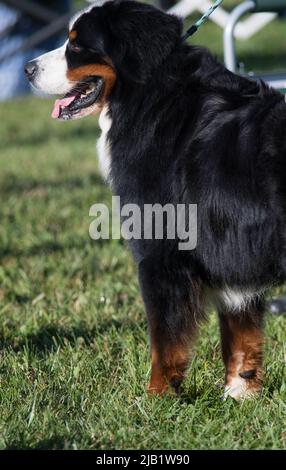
(49, 339)
(189, 396)
(49, 247)
(45, 248)
(54, 443)
(40, 138)
(14, 185)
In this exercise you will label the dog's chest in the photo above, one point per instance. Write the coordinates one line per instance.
(233, 299)
(103, 146)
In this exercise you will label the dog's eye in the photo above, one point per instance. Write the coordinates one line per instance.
(74, 47)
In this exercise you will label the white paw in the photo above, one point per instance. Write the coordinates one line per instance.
(238, 388)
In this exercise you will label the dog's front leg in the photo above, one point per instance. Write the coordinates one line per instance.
(172, 299)
(242, 350)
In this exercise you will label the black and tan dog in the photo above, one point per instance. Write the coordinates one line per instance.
(179, 128)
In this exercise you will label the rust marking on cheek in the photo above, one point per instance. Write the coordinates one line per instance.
(72, 35)
(95, 70)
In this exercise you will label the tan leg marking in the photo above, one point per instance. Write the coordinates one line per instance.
(242, 348)
(168, 368)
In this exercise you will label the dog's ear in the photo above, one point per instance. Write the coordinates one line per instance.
(139, 38)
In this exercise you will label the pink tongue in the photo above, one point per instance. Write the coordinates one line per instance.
(59, 104)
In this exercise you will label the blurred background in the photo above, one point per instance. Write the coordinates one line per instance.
(73, 336)
(30, 27)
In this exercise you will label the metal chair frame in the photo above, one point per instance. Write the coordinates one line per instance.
(277, 80)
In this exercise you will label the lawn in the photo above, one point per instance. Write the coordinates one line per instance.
(74, 351)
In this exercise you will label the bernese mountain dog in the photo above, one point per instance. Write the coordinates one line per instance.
(178, 128)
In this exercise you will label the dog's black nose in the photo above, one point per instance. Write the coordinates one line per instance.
(31, 69)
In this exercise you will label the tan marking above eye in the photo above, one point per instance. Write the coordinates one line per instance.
(72, 35)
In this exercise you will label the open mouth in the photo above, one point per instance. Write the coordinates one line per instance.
(85, 94)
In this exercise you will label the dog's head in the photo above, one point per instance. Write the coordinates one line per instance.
(120, 41)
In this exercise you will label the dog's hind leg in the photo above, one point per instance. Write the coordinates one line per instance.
(173, 303)
(242, 350)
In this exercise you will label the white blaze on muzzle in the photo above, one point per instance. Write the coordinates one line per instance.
(52, 70)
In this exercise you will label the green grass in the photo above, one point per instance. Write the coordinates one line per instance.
(74, 353)
(73, 341)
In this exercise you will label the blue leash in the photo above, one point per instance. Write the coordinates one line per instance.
(194, 28)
